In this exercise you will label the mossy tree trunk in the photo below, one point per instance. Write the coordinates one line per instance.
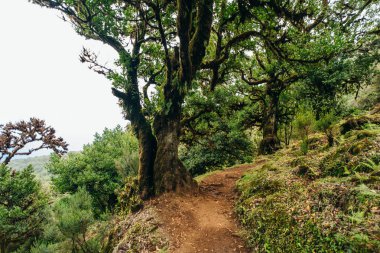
(131, 103)
(169, 172)
(270, 142)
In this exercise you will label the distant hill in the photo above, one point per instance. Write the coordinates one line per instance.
(38, 163)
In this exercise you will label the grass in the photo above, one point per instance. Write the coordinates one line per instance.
(327, 200)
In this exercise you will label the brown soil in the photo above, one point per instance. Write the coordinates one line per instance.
(204, 222)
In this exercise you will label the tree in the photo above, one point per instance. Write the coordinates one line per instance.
(16, 137)
(326, 124)
(173, 44)
(326, 84)
(22, 208)
(69, 226)
(74, 217)
(143, 33)
(294, 40)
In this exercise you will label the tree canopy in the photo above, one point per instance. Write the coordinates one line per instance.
(168, 49)
(15, 137)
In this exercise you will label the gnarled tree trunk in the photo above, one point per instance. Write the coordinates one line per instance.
(169, 172)
(270, 142)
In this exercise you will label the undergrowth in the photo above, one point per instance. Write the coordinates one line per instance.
(327, 200)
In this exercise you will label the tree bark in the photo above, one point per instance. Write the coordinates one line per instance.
(270, 142)
(147, 155)
(169, 172)
(147, 141)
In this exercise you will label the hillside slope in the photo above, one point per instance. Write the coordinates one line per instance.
(38, 163)
(325, 201)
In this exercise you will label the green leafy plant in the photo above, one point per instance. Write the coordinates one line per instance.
(22, 208)
(304, 122)
(325, 124)
(69, 229)
(99, 168)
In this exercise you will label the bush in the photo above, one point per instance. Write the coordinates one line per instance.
(22, 208)
(325, 124)
(304, 122)
(100, 168)
(69, 229)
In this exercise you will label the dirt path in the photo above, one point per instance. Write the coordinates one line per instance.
(204, 222)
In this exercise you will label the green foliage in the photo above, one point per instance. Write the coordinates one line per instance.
(328, 203)
(217, 151)
(128, 197)
(325, 124)
(70, 228)
(99, 168)
(326, 85)
(354, 155)
(304, 147)
(74, 214)
(214, 137)
(22, 208)
(304, 123)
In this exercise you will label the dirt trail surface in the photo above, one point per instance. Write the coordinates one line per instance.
(204, 222)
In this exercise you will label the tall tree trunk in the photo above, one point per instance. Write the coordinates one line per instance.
(147, 141)
(270, 142)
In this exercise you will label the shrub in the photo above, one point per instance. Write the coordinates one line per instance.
(304, 122)
(99, 168)
(22, 208)
(69, 229)
(325, 124)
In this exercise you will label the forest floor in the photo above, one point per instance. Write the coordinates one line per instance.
(204, 222)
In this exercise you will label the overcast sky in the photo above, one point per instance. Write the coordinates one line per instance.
(41, 76)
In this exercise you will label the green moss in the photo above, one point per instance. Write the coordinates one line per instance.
(259, 184)
(325, 201)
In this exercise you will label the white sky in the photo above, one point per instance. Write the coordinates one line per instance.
(41, 76)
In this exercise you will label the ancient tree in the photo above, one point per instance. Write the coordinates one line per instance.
(292, 41)
(163, 43)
